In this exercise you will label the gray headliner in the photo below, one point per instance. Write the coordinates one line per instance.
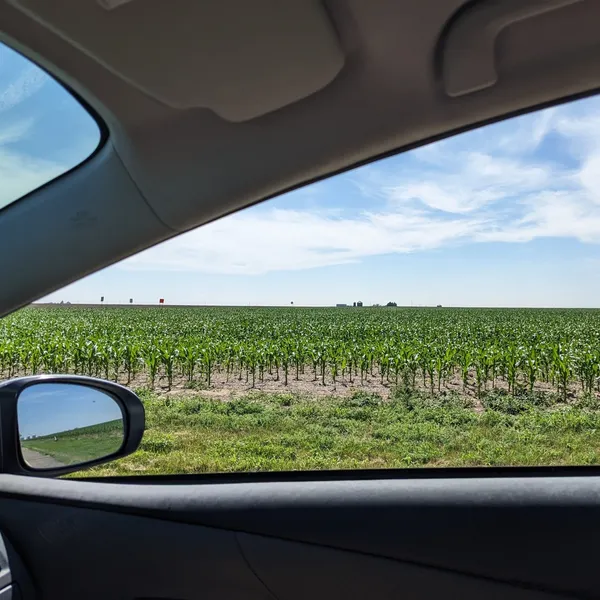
(165, 171)
(282, 52)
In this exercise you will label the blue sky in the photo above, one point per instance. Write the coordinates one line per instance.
(43, 130)
(47, 408)
(506, 215)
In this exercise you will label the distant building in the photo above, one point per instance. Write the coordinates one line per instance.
(341, 305)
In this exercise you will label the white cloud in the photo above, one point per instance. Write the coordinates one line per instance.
(469, 181)
(589, 177)
(15, 131)
(528, 133)
(580, 132)
(498, 184)
(275, 240)
(20, 174)
(30, 81)
(559, 214)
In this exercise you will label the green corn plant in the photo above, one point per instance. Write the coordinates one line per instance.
(152, 359)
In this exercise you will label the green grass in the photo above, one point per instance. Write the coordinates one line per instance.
(276, 432)
(80, 445)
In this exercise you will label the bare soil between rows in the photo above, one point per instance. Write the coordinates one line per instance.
(225, 388)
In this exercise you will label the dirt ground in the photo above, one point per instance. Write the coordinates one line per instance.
(224, 388)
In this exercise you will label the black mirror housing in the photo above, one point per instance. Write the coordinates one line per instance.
(131, 422)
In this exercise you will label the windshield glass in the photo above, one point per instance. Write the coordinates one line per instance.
(44, 131)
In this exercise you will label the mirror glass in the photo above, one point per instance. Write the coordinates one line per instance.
(64, 424)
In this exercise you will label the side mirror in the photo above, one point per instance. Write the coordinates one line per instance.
(56, 424)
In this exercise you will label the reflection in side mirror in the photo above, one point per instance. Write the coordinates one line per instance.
(65, 424)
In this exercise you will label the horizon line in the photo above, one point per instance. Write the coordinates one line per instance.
(340, 306)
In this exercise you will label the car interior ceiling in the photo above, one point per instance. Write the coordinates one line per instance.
(209, 107)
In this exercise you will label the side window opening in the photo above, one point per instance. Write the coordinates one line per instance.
(437, 308)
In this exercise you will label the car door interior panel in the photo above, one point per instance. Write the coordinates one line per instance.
(494, 538)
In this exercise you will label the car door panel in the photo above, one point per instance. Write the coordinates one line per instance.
(74, 552)
(480, 537)
(294, 571)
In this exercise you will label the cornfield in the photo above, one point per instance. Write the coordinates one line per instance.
(470, 349)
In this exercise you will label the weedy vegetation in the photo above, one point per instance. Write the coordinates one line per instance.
(280, 432)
